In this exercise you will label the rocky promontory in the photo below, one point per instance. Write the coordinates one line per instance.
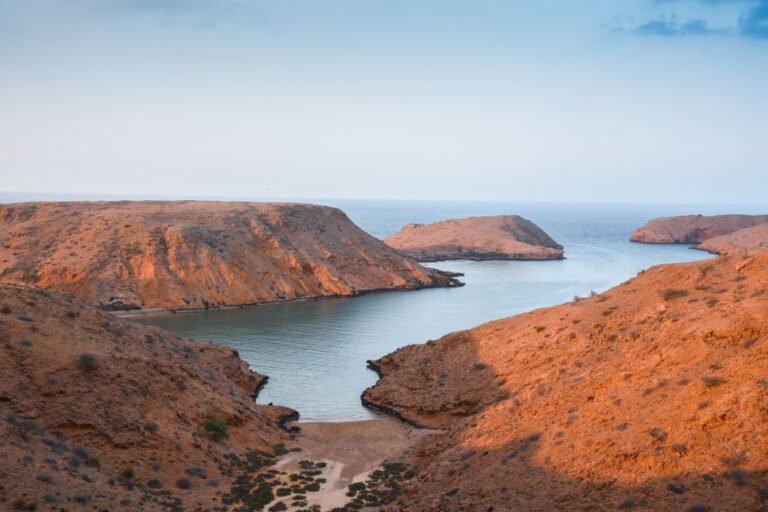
(650, 396)
(502, 237)
(693, 229)
(742, 241)
(195, 254)
(100, 413)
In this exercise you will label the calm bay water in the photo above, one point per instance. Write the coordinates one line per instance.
(315, 352)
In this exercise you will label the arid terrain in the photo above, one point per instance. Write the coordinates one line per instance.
(502, 237)
(650, 396)
(738, 242)
(693, 229)
(188, 254)
(99, 413)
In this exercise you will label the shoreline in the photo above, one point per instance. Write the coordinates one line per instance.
(138, 313)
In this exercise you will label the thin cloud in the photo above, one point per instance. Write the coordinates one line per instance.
(752, 23)
(672, 29)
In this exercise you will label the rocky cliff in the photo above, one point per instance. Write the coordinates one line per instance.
(192, 254)
(651, 396)
(693, 229)
(99, 413)
(503, 237)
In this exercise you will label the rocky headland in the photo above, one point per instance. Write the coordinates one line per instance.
(99, 413)
(693, 229)
(502, 237)
(130, 255)
(651, 396)
(739, 242)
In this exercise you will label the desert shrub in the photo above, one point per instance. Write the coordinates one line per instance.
(184, 483)
(128, 473)
(22, 504)
(283, 491)
(154, 484)
(151, 426)
(218, 429)
(278, 507)
(672, 293)
(72, 314)
(5, 309)
(279, 449)
(196, 471)
(133, 249)
(87, 362)
(712, 382)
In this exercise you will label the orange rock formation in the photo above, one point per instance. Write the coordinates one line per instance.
(693, 229)
(503, 237)
(191, 254)
(651, 396)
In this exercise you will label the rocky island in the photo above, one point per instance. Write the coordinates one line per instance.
(650, 396)
(129, 255)
(693, 229)
(502, 237)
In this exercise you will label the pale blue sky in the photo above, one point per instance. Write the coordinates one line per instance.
(552, 100)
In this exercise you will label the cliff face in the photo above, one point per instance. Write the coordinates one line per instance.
(191, 254)
(503, 237)
(651, 396)
(97, 412)
(693, 229)
(739, 242)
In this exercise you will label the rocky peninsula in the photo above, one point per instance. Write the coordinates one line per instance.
(130, 255)
(693, 229)
(502, 237)
(650, 396)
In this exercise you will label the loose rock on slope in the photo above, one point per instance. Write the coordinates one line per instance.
(193, 254)
(503, 237)
(651, 396)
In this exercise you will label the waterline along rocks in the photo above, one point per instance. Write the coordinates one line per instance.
(195, 254)
(502, 237)
(650, 396)
(101, 413)
(693, 229)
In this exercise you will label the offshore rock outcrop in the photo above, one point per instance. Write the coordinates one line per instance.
(693, 229)
(502, 237)
(194, 254)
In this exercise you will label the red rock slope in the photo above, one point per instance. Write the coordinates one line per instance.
(190, 254)
(503, 237)
(98, 413)
(651, 396)
(739, 242)
(693, 229)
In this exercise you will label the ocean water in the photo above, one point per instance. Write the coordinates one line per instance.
(315, 352)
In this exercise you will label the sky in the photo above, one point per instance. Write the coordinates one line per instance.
(546, 100)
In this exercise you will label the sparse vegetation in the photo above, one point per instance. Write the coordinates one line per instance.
(87, 362)
(22, 504)
(712, 382)
(673, 293)
(217, 429)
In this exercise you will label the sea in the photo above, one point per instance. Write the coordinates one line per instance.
(315, 351)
